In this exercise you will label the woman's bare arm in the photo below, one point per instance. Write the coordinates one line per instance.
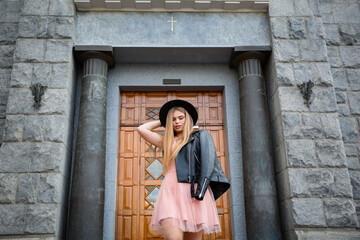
(145, 131)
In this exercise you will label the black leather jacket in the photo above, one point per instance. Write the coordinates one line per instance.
(197, 162)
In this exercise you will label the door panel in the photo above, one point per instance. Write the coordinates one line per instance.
(140, 163)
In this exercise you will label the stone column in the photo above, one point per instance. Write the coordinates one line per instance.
(88, 184)
(261, 205)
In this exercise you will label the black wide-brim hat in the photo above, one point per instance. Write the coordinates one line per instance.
(177, 103)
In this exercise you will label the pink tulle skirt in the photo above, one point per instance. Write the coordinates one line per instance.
(175, 205)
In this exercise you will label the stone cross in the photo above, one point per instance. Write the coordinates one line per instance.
(172, 23)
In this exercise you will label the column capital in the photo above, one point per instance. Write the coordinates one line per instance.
(82, 53)
(240, 54)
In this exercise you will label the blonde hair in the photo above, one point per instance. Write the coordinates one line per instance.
(169, 135)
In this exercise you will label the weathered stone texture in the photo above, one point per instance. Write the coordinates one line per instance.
(55, 101)
(331, 153)
(14, 128)
(318, 73)
(349, 131)
(55, 129)
(301, 153)
(340, 213)
(331, 125)
(285, 74)
(48, 157)
(355, 182)
(41, 219)
(350, 34)
(312, 127)
(354, 100)
(20, 101)
(297, 28)
(308, 212)
(21, 75)
(46, 27)
(339, 79)
(315, 27)
(346, 13)
(28, 26)
(350, 150)
(292, 125)
(30, 50)
(8, 33)
(313, 50)
(58, 50)
(340, 97)
(62, 8)
(12, 218)
(332, 36)
(353, 76)
(324, 100)
(8, 187)
(291, 99)
(27, 188)
(279, 28)
(350, 56)
(42, 73)
(60, 76)
(34, 128)
(35, 7)
(49, 188)
(5, 77)
(285, 50)
(281, 8)
(65, 27)
(15, 157)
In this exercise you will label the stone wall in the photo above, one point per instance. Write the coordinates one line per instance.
(342, 34)
(9, 21)
(311, 143)
(36, 150)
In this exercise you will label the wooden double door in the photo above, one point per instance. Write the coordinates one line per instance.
(140, 170)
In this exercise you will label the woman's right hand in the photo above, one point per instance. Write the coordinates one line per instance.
(145, 131)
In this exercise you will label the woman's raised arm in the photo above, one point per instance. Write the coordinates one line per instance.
(145, 131)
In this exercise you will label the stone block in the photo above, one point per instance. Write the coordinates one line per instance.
(8, 33)
(35, 7)
(58, 50)
(327, 18)
(354, 100)
(342, 185)
(297, 28)
(315, 27)
(353, 163)
(332, 36)
(46, 27)
(323, 100)
(285, 75)
(301, 153)
(55, 101)
(48, 157)
(15, 157)
(311, 127)
(6, 51)
(12, 218)
(28, 26)
(340, 213)
(333, 51)
(41, 219)
(279, 27)
(325, 7)
(14, 128)
(3, 97)
(343, 110)
(335, 62)
(20, 101)
(318, 73)
(56, 128)
(308, 212)
(346, 13)
(281, 8)
(5, 76)
(355, 183)
(27, 188)
(330, 153)
(8, 186)
(302, 8)
(313, 50)
(21, 75)
(62, 8)
(285, 50)
(49, 188)
(60, 77)
(349, 34)
(6, 62)
(292, 126)
(34, 128)
(42, 72)
(353, 76)
(340, 97)
(291, 99)
(350, 56)
(29, 50)
(349, 130)
(350, 150)
(339, 79)
(65, 27)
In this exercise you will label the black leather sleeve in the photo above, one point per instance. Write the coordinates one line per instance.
(207, 162)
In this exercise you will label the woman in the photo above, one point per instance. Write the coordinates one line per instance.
(180, 213)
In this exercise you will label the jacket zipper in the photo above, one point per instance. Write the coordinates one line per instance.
(189, 177)
(202, 188)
